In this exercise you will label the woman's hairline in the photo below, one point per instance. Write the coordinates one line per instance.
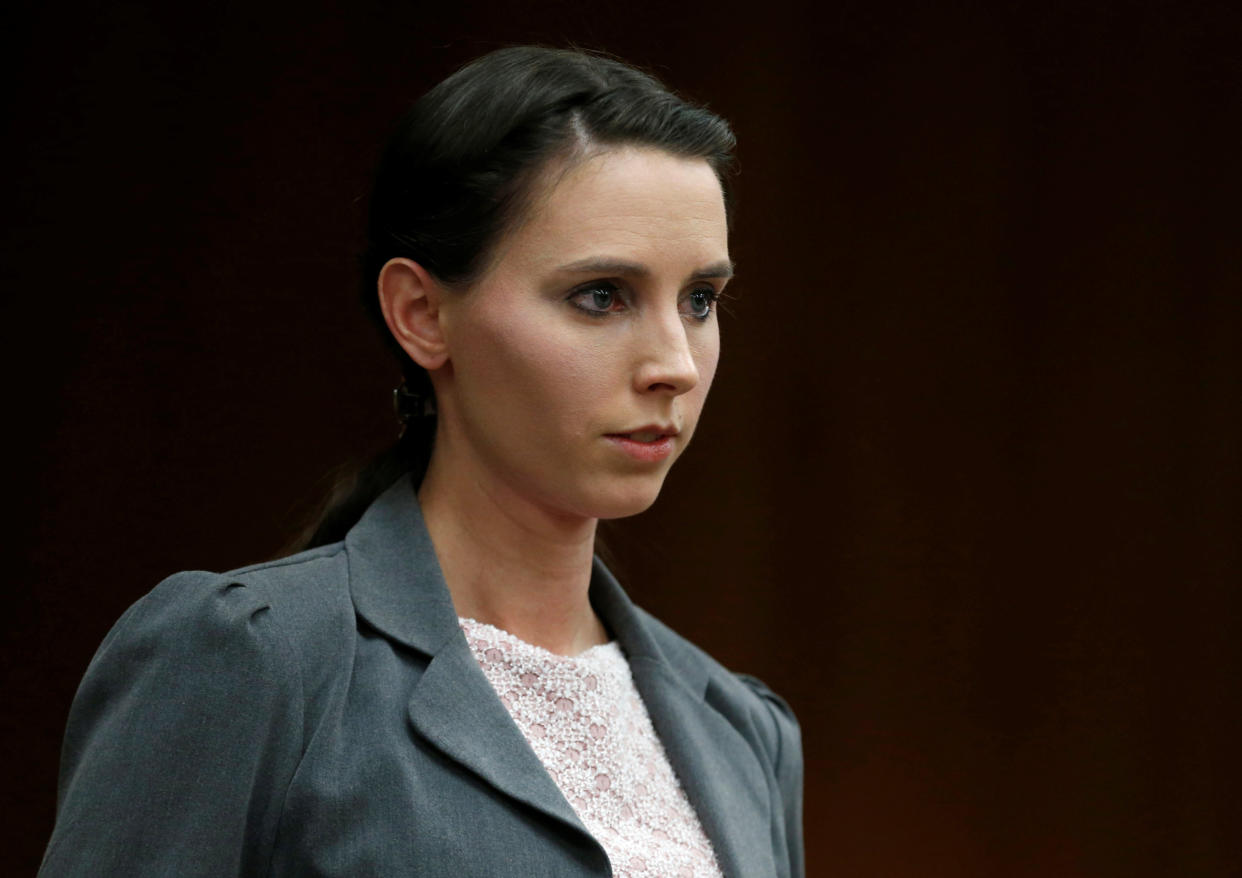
(543, 180)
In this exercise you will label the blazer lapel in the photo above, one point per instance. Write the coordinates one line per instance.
(399, 589)
(455, 708)
(717, 768)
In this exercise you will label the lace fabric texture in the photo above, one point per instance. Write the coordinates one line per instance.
(586, 722)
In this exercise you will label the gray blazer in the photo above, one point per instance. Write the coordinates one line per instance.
(323, 715)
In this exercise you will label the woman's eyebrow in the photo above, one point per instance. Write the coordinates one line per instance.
(625, 268)
(722, 270)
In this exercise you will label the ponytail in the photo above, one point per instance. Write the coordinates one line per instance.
(354, 488)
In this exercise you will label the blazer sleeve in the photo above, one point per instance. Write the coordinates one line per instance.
(783, 738)
(181, 740)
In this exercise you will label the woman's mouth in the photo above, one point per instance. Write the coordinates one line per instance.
(649, 445)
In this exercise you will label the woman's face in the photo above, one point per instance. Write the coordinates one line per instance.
(579, 363)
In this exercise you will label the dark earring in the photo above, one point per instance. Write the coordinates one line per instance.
(409, 404)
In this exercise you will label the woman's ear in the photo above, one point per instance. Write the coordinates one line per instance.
(409, 297)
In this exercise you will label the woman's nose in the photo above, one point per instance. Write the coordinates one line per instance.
(667, 361)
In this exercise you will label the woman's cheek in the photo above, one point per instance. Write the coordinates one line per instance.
(708, 357)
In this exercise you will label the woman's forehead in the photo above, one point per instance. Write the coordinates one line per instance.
(628, 204)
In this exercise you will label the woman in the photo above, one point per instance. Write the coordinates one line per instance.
(448, 682)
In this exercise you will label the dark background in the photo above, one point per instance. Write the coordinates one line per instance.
(970, 473)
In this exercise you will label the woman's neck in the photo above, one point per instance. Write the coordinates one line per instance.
(510, 563)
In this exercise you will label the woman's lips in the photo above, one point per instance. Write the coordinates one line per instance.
(648, 446)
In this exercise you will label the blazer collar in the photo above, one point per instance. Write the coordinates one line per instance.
(395, 577)
(399, 589)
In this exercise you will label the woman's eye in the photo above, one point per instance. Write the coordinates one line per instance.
(598, 299)
(700, 302)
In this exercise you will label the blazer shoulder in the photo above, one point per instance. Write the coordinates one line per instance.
(317, 579)
(200, 667)
(737, 694)
(298, 607)
(196, 609)
(308, 593)
(310, 570)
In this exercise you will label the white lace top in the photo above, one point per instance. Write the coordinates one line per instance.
(584, 719)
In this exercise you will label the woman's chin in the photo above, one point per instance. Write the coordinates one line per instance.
(600, 495)
(624, 503)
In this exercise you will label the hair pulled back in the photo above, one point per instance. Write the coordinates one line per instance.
(458, 172)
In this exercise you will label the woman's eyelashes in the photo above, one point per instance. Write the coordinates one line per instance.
(701, 302)
(598, 298)
(605, 298)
